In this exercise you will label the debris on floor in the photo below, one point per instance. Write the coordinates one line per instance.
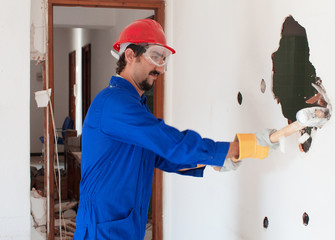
(67, 224)
(38, 215)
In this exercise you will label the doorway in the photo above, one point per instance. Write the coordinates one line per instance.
(86, 79)
(158, 7)
(72, 87)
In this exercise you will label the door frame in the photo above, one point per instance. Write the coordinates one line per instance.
(159, 7)
(85, 79)
(72, 83)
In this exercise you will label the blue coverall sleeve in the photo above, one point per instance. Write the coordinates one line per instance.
(124, 118)
(189, 170)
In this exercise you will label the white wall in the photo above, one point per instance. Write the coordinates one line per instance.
(84, 17)
(62, 48)
(225, 47)
(14, 120)
(103, 63)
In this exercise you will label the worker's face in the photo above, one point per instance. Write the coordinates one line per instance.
(145, 73)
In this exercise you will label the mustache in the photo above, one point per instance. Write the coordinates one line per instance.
(154, 72)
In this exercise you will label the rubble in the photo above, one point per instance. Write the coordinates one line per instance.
(66, 225)
(38, 215)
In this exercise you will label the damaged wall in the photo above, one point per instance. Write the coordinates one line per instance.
(224, 48)
(38, 29)
(14, 120)
(295, 83)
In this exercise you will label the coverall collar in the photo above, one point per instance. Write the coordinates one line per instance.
(121, 82)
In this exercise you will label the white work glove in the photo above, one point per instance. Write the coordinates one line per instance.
(229, 165)
(263, 139)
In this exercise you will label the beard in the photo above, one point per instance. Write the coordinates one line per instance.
(145, 85)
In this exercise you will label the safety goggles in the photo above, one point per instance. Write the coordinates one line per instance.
(157, 55)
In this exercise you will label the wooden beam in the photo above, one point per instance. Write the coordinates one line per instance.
(141, 4)
(49, 136)
(157, 187)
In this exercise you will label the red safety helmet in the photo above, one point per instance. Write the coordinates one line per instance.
(142, 31)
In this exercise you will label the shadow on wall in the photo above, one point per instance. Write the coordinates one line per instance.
(293, 76)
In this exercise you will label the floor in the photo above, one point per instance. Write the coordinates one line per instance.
(148, 232)
(37, 161)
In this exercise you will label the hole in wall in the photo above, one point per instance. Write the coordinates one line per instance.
(263, 86)
(239, 98)
(265, 222)
(305, 145)
(305, 219)
(293, 75)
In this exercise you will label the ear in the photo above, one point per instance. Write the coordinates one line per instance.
(129, 55)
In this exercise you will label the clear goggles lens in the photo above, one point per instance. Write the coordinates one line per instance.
(157, 55)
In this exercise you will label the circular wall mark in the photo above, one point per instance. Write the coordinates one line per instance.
(263, 86)
(266, 223)
(239, 98)
(305, 218)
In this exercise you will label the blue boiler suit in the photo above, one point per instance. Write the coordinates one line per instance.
(122, 143)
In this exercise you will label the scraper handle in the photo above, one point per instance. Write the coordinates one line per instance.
(286, 131)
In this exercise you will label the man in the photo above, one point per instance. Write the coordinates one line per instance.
(122, 142)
